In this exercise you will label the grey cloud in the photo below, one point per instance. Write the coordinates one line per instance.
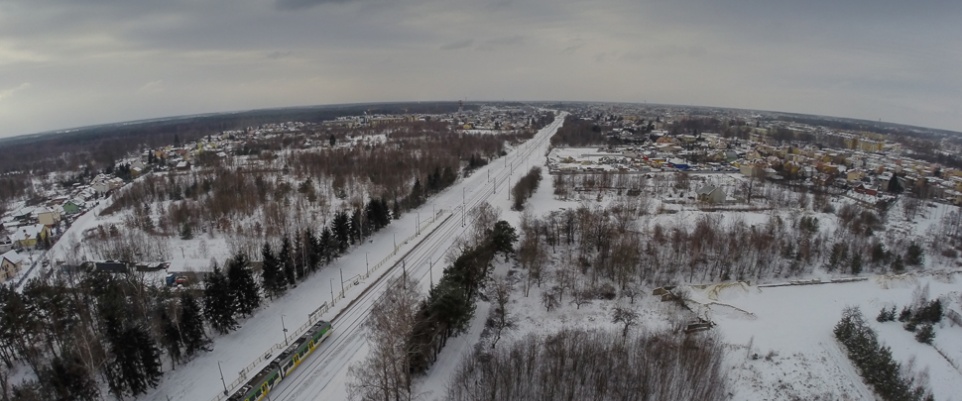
(220, 55)
(492, 44)
(279, 54)
(460, 44)
(303, 4)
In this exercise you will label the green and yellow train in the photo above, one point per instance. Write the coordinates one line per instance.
(282, 366)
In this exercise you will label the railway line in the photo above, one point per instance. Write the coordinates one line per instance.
(319, 376)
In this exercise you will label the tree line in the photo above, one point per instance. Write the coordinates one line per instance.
(526, 186)
(874, 360)
(607, 245)
(594, 365)
(102, 328)
(406, 332)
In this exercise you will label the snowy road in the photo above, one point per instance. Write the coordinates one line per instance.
(324, 375)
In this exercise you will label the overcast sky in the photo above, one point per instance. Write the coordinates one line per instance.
(69, 63)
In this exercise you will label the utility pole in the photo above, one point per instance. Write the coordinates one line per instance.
(431, 272)
(366, 264)
(284, 328)
(417, 230)
(222, 377)
(332, 292)
(462, 206)
(342, 281)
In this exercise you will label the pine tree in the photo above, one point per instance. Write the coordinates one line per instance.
(243, 288)
(914, 255)
(287, 261)
(300, 257)
(219, 303)
(416, 197)
(897, 265)
(272, 279)
(856, 263)
(357, 229)
(503, 237)
(314, 253)
(192, 325)
(342, 230)
(135, 364)
(328, 245)
(170, 336)
(68, 379)
(925, 334)
(186, 232)
(894, 186)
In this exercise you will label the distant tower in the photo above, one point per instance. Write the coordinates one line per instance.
(460, 106)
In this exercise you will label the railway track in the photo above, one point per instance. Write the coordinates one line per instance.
(315, 378)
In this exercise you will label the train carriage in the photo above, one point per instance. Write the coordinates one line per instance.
(285, 363)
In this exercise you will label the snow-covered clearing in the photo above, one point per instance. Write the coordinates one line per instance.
(782, 346)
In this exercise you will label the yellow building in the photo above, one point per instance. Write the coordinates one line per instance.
(10, 264)
(26, 237)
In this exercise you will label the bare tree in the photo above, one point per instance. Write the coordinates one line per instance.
(484, 216)
(500, 293)
(580, 296)
(384, 374)
(626, 316)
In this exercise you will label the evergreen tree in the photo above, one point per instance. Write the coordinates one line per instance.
(68, 379)
(299, 254)
(170, 336)
(905, 315)
(894, 186)
(897, 265)
(416, 197)
(272, 278)
(856, 264)
(219, 303)
(314, 250)
(186, 232)
(342, 230)
(357, 228)
(287, 261)
(192, 325)
(328, 245)
(243, 288)
(503, 237)
(135, 364)
(914, 255)
(925, 334)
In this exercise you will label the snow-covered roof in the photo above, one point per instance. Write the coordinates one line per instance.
(27, 232)
(12, 256)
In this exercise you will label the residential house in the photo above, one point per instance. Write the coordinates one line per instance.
(48, 217)
(26, 236)
(73, 206)
(711, 194)
(10, 264)
(6, 243)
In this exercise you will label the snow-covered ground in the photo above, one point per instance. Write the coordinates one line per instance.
(782, 346)
(779, 339)
(324, 374)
